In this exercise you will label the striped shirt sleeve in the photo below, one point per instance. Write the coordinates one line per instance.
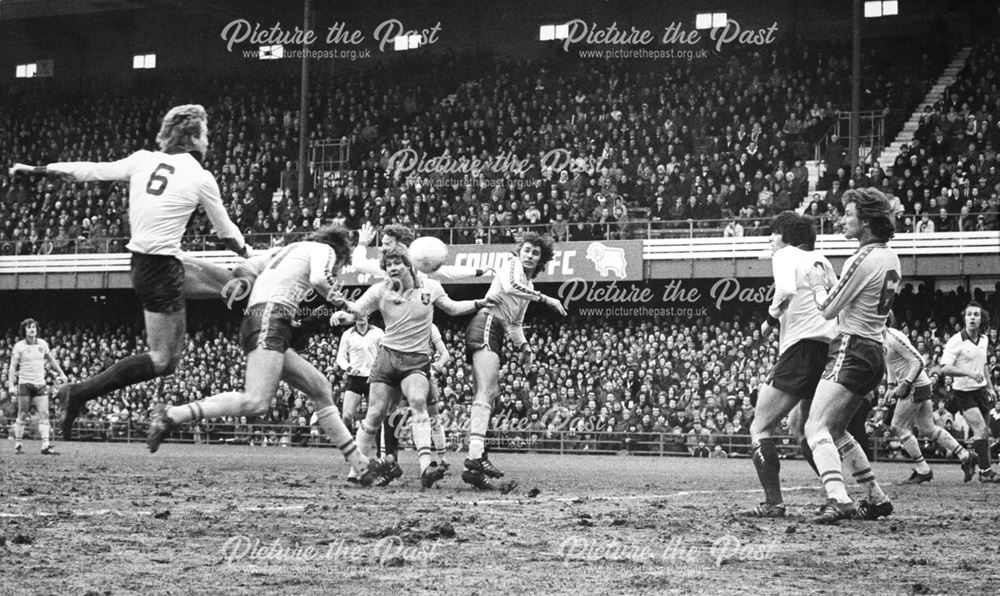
(513, 281)
(849, 286)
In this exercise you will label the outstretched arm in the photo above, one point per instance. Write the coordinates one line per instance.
(82, 171)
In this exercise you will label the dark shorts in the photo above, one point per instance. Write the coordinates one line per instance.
(919, 394)
(392, 366)
(357, 384)
(159, 282)
(302, 332)
(966, 400)
(267, 326)
(799, 369)
(31, 390)
(856, 363)
(484, 331)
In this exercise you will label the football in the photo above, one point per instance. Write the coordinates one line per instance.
(428, 254)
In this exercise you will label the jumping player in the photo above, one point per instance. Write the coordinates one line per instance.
(266, 333)
(407, 303)
(165, 187)
(913, 407)
(804, 341)
(27, 381)
(972, 391)
(861, 301)
(511, 291)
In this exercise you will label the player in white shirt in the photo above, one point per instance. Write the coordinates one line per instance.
(804, 340)
(355, 355)
(165, 188)
(407, 303)
(972, 392)
(860, 301)
(292, 276)
(511, 291)
(906, 373)
(26, 380)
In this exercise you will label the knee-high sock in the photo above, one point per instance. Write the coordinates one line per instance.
(229, 403)
(807, 455)
(125, 372)
(18, 431)
(765, 460)
(329, 420)
(421, 425)
(982, 449)
(828, 464)
(950, 444)
(438, 438)
(857, 463)
(365, 439)
(479, 423)
(912, 448)
(44, 431)
(390, 433)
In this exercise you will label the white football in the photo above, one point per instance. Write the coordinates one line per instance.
(428, 254)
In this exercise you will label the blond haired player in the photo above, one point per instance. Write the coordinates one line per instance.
(165, 187)
(860, 301)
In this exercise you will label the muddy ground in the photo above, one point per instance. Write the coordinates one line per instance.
(113, 519)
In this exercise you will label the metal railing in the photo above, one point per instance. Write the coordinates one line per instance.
(562, 442)
(639, 229)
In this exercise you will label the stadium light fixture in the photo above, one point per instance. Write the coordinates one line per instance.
(710, 20)
(144, 61)
(881, 8)
(553, 32)
(275, 52)
(406, 42)
(33, 70)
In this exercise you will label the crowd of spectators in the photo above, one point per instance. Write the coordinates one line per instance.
(948, 178)
(594, 385)
(712, 142)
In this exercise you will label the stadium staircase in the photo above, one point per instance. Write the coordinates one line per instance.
(888, 156)
(905, 137)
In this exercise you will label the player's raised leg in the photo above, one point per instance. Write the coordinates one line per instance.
(263, 371)
(165, 330)
(302, 375)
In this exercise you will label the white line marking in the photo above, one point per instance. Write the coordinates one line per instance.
(684, 493)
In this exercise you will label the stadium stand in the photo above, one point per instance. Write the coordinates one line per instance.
(655, 153)
(635, 384)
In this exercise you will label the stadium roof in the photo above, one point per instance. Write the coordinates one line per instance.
(27, 9)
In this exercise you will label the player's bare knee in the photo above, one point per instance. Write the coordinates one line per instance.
(164, 363)
(813, 429)
(256, 406)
